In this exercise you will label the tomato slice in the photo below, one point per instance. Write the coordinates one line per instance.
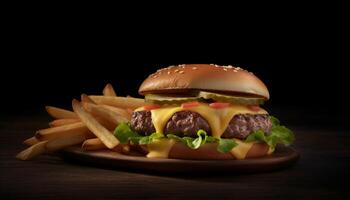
(190, 104)
(219, 105)
(151, 107)
(254, 108)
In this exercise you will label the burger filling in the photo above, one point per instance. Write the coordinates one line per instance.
(187, 123)
(195, 124)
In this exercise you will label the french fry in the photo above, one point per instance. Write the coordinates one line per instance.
(66, 141)
(52, 145)
(109, 91)
(62, 131)
(32, 151)
(31, 141)
(120, 111)
(93, 144)
(122, 102)
(60, 113)
(62, 122)
(110, 124)
(116, 116)
(94, 126)
(106, 123)
(86, 99)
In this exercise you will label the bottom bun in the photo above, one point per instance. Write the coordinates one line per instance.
(178, 150)
(209, 152)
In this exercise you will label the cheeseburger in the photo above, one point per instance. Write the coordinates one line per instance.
(203, 112)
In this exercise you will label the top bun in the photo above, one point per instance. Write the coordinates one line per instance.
(204, 77)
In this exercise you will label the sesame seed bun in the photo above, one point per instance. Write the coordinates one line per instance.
(204, 77)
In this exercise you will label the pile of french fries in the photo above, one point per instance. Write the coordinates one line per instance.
(91, 124)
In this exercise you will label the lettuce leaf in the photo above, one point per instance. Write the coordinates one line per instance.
(278, 135)
(124, 133)
(193, 143)
(258, 136)
(226, 145)
(274, 121)
(149, 139)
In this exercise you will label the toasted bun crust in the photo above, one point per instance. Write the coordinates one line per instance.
(209, 152)
(225, 79)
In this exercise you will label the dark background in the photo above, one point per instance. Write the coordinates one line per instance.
(299, 57)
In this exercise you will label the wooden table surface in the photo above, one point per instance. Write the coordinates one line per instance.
(321, 173)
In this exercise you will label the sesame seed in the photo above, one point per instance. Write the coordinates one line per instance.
(251, 73)
(229, 66)
(168, 72)
(235, 70)
(211, 64)
(176, 70)
(181, 72)
(155, 76)
(194, 67)
(238, 68)
(225, 69)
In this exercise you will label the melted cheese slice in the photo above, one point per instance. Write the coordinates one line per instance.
(241, 150)
(161, 116)
(160, 148)
(271, 150)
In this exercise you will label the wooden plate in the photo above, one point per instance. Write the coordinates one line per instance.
(281, 158)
